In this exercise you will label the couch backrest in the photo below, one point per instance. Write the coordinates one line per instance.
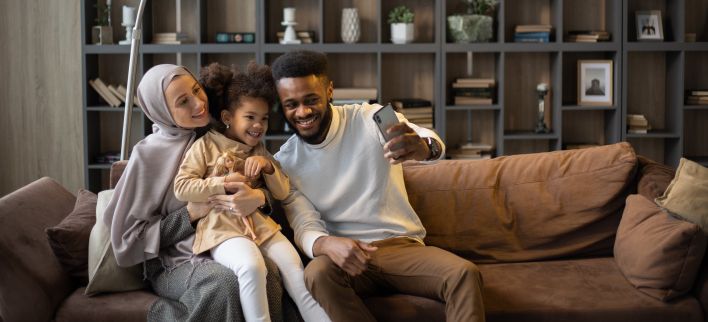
(32, 282)
(525, 207)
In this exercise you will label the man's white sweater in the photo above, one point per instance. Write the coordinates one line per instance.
(344, 186)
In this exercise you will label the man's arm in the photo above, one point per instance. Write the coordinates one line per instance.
(305, 221)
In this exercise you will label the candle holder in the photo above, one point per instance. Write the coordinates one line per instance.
(128, 23)
(290, 37)
(542, 90)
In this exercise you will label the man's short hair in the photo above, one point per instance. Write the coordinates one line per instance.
(299, 63)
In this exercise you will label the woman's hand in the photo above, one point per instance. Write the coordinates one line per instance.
(242, 203)
(255, 164)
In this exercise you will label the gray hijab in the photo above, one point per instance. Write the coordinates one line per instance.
(145, 190)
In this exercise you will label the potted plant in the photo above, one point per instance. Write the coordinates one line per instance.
(475, 25)
(102, 32)
(401, 20)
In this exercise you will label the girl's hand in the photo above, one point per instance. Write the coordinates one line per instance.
(242, 203)
(235, 177)
(255, 164)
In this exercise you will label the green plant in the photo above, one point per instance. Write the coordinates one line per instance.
(401, 14)
(481, 7)
(103, 12)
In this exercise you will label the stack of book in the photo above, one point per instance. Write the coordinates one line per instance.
(353, 95)
(697, 97)
(532, 33)
(171, 38)
(587, 36)
(473, 91)
(108, 157)
(113, 95)
(417, 111)
(305, 37)
(637, 124)
(471, 151)
(236, 37)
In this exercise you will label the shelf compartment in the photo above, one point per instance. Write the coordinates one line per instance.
(571, 77)
(655, 91)
(589, 127)
(529, 12)
(671, 19)
(696, 21)
(112, 69)
(407, 76)
(366, 9)
(162, 17)
(520, 95)
(424, 22)
(662, 150)
(107, 129)
(183, 59)
(307, 16)
(228, 16)
(695, 132)
(241, 60)
(696, 74)
(353, 70)
(471, 65)
(512, 147)
(471, 127)
(592, 15)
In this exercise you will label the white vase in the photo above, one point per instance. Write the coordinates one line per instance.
(350, 25)
(402, 33)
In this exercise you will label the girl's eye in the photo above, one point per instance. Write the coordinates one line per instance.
(250, 117)
(183, 101)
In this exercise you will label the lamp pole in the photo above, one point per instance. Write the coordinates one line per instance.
(132, 68)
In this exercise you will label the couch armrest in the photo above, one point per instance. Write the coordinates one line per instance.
(32, 282)
(653, 178)
(116, 171)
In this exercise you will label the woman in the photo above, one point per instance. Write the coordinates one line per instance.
(150, 226)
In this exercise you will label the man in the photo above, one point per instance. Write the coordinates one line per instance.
(595, 88)
(349, 208)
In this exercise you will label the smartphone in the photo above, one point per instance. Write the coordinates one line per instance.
(386, 118)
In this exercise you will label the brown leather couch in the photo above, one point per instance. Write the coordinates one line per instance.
(541, 228)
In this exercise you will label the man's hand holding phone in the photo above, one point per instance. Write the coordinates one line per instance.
(402, 143)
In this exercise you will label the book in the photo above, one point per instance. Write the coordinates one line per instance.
(462, 100)
(236, 37)
(111, 99)
(124, 92)
(400, 103)
(637, 120)
(533, 28)
(699, 92)
(117, 94)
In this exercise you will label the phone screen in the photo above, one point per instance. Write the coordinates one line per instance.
(386, 118)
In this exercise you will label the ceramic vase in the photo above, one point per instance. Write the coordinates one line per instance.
(351, 29)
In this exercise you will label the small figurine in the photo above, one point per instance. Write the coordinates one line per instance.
(225, 165)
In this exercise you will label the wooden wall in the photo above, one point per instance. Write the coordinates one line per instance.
(40, 93)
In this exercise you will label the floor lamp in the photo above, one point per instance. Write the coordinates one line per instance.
(132, 68)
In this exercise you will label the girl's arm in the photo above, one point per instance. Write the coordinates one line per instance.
(190, 184)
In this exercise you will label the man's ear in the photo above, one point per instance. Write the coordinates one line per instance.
(330, 91)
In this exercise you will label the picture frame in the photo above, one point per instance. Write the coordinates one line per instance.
(649, 25)
(595, 82)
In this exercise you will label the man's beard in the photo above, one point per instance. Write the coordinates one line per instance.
(318, 137)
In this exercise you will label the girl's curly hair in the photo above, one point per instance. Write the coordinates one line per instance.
(226, 86)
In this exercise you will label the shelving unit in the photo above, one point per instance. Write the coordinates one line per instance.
(427, 67)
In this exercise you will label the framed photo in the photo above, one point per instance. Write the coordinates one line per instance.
(595, 82)
(649, 25)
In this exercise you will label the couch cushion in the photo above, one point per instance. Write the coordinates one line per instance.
(524, 207)
(574, 290)
(32, 282)
(653, 178)
(658, 253)
(126, 306)
(69, 239)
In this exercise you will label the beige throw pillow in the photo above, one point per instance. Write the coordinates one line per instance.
(687, 194)
(104, 273)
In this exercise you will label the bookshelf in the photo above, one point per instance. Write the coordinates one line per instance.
(647, 78)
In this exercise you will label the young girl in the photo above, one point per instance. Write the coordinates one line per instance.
(244, 100)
